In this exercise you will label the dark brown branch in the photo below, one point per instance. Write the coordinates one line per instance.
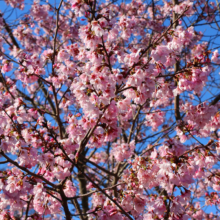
(100, 189)
(8, 29)
(94, 191)
(82, 188)
(133, 124)
(214, 101)
(169, 204)
(176, 69)
(54, 196)
(28, 206)
(107, 55)
(99, 167)
(198, 147)
(78, 209)
(89, 134)
(56, 32)
(26, 170)
(65, 204)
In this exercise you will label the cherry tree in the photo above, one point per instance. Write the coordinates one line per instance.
(109, 110)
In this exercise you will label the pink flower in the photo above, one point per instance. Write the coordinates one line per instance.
(7, 66)
(38, 188)
(215, 57)
(63, 55)
(99, 32)
(139, 204)
(69, 189)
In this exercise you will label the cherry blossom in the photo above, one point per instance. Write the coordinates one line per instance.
(109, 110)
